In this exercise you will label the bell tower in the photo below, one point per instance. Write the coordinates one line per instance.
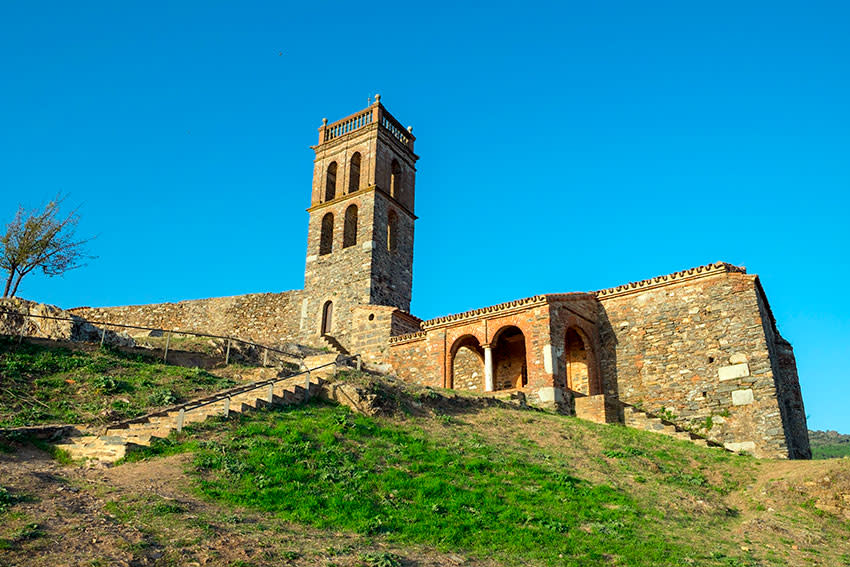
(360, 236)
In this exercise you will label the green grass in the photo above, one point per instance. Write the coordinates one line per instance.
(58, 385)
(325, 467)
(836, 451)
(829, 445)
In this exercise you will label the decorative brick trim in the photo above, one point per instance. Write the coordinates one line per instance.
(676, 277)
(410, 337)
(500, 308)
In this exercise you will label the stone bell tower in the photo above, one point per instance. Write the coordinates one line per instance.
(360, 236)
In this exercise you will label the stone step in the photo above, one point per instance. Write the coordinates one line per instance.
(113, 446)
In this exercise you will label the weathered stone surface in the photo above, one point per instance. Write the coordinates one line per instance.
(733, 371)
(744, 397)
(28, 318)
(738, 447)
(265, 318)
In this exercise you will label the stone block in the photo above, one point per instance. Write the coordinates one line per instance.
(741, 446)
(742, 397)
(733, 371)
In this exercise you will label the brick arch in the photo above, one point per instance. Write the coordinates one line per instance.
(355, 172)
(580, 367)
(510, 357)
(466, 363)
(330, 181)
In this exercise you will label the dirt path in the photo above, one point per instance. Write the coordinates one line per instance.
(145, 513)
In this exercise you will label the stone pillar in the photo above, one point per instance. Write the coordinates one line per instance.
(488, 368)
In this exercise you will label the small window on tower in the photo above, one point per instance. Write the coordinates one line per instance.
(330, 182)
(354, 173)
(395, 180)
(349, 231)
(326, 241)
(392, 231)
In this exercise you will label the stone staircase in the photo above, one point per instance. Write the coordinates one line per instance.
(334, 345)
(639, 419)
(113, 444)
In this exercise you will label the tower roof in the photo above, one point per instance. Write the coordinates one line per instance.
(375, 113)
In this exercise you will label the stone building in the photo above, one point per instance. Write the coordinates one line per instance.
(699, 346)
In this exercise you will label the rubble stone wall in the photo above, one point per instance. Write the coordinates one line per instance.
(264, 318)
(698, 352)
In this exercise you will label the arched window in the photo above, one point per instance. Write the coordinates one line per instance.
(354, 173)
(327, 317)
(326, 241)
(330, 182)
(392, 231)
(395, 180)
(349, 230)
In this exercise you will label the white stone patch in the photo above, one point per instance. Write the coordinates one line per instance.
(311, 258)
(733, 371)
(548, 355)
(368, 245)
(742, 397)
(742, 446)
(738, 358)
(550, 394)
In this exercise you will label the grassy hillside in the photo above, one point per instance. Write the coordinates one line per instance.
(45, 384)
(829, 444)
(436, 480)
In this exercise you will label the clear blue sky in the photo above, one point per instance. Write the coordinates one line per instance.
(564, 147)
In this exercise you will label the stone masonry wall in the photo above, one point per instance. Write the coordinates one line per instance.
(468, 369)
(696, 350)
(418, 360)
(342, 276)
(265, 318)
(789, 396)
(392, 270)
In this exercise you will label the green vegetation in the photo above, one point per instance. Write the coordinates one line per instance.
(325, 467)
(59, 385)
(829, 444)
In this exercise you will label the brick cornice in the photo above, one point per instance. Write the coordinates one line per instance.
(669, 279)
(371, 188)
(409, 337)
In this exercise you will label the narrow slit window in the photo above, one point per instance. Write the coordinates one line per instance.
(349, 232)
(326, 241)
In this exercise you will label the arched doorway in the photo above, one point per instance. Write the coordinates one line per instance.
(327, 317)
(577, 357)
(467, 364)
(509, 366)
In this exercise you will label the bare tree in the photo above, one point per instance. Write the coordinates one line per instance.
(40, 238)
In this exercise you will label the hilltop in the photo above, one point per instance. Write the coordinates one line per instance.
(829, 444)
(432, 478)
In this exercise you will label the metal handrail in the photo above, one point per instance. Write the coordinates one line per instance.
(229, 394)
(169, 331)
(201, 402)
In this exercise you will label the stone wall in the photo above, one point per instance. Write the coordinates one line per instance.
(342, 276)
(468, 369)
(392, 262)
(418, 359)
(789, 396)
(21, 317)
(697, 351)
(264, 318)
